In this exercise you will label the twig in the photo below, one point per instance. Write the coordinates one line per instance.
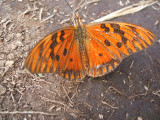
(65, 20)
(143, 94)
(105, 103)
(47, 18)
(40, 14)
(6, 69)
(51, 92)
(116, 90)
(149, 57)
(92, 1)
(127, 10)
(29, 9)
(131, 64)
(25, 112)
(4, 20)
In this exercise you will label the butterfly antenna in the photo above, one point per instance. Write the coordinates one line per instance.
(70, 8)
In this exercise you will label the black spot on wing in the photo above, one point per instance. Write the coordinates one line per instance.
(100, 54)
(118, 31)
(107, 43)
(132, 28)
(53, 44)
(106, 29)
(65, 52)
(61, 38)
(54, 37)
(71, 59)
(124, 39)
(62, 33)
(119, 44)
(52, 54)
(115, 26)
(103, 26)
(57, 57)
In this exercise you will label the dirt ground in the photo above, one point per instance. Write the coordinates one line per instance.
(130, 92)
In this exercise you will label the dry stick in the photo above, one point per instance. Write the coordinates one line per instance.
(116, 90)
(4, 20)
(127, 10)
(65, 20)
(105, 103)
(40, 14)
(149, 57)
(28, 10)
(25, 112)
(47, 18)
(131, 64)
(137, 95)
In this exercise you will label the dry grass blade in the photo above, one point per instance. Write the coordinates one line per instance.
(127, 10)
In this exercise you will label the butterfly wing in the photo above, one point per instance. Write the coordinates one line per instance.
(109, 43)
(57, 53)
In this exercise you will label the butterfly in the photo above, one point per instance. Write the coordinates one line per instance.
(93, 49)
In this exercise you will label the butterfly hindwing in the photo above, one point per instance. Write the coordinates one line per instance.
(101, 59)
(73, 67)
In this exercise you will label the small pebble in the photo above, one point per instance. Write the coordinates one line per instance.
(2, 63)
(2, 90)
(2, 56)
(139, 118)
(9, 63)
(10, 56)
(100, 116)
(18, 34)
(18, 43)
(12, 46)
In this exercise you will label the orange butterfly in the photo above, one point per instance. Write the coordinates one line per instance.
(93, 49)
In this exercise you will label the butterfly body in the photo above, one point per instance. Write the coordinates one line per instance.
(81, 36)
(93, 49)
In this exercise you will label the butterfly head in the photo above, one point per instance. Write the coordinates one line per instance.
(77, 21)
